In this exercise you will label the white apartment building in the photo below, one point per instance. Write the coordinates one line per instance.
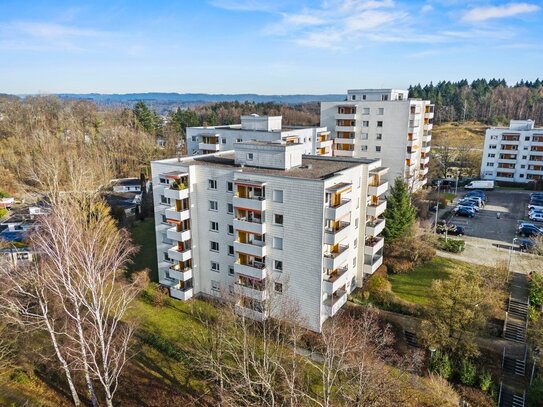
(514, 153)
(212, 139)
(383, 124)
(264, 224)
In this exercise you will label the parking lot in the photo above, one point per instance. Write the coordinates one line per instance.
(512, 207)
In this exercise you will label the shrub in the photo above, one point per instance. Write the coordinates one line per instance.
(451, 245)
(535, 394)
(3, 212)
(378, 287)
(468, 373)
(4, 194)
(485, 380)
(398, 266)
(536, 290)
(441, 364)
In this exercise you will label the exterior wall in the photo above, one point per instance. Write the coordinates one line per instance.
(399, 126)
(511, 160)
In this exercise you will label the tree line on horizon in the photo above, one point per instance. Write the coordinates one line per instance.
(491, 101)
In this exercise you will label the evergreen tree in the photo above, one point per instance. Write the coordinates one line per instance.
(146, 119)
(400, 214)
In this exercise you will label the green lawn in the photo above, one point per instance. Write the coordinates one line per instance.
(415, 286)
(143, 235)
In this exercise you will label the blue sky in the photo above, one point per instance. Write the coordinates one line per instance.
(269, 47)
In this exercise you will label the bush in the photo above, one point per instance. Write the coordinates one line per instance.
(4, 194)
(398, 266)
(379, 288)
(3, 212)
(441, 364)
(451, 245)
(536, 290)
(485, 380)
(535, 394)
(158, 296)
(468, 373)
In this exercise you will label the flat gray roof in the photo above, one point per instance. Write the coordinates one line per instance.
(313, 167)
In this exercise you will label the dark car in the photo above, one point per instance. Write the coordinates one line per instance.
(526, 245)
(477, 194)
(450, 229)
(465, 212)
(528, 230)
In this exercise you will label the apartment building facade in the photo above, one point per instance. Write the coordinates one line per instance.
(514, 153)
(383, 124)
(212, 139)
(270, 228)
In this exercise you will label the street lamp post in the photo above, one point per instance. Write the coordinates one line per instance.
(456, 185)
(511, 255)
(437, 206)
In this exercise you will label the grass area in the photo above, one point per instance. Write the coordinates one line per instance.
(143, 235)
(465, 132)
(449, 196)
(415, 286)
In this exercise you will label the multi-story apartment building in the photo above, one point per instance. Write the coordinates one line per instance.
(514, 153)
(265, 224)
(211, 139)
(383, 124)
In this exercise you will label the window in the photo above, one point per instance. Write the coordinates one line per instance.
(381, 111)
(379, 136)
(493, 137)
(278, 243)
(365, 123)
(249, 156)
(229, 208)
(163, 181)
(278, 265)
(166, 257)
(164, 219)
(363, 97)
(230, 270)
(239, 140)
(356, 223)
(278, 219)
(380, 123)
(212, 184)
(522, 166)
(354, 262)
(224, 140)
(229, 186)
(491, 155)
(214, 226)
(193, 138)
(278, 287)
(213, 205)
(378, 148)
(524, 157)
(364, 136)
(490, 164)
(355, 243)
(230, 229)
(230, 250)
(214, 246)
(164, 200)
(521, 175)
(492, 146)
(525, 147)
(215, 285)
(526, 138)
(215, 266)
(363, 148)
(384, 97)
(488, 172)
(353, 97)
(278, 195)
(366, 110)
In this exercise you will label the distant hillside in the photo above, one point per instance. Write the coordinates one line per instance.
(160, 101)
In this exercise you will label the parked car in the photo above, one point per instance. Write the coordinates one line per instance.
(526, 245)
(469, 205)
(465, 212)
(451, 229)
(475, 200)
(476, 194)
(529, 230)
(536, 195)
(536, 207)
(433, 208)
(536, 216)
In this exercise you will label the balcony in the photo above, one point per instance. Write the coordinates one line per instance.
(253, 204)
(179, 194)
(504, 169)
(411, 155)
(334, 236)
(173, 214)
(176, 255)
(425, 160)
(429, 115)
(344, 153)
(249, 292)
(372, 246)
(373, 265)
(182, 294)
(247, 225)
(173, 234)
(345, 140)
(426, 138)
(333, 305)
(346, 128)
(338, 211)
(251, 249)
(345, 116)
(425, 149)
(377, 209)
(255, 270)
(333, 282)
(378, 189)
(334, 260)
(180, 274)
(168, 282)
(250, 313)
(424, 170)
(209, 147)
(428, 126)
(325, 144)
(374, 228)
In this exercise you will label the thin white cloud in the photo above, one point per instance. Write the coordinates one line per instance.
(426, 8)
(479, 14)
(244, 5)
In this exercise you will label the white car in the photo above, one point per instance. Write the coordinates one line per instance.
(537, 217)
